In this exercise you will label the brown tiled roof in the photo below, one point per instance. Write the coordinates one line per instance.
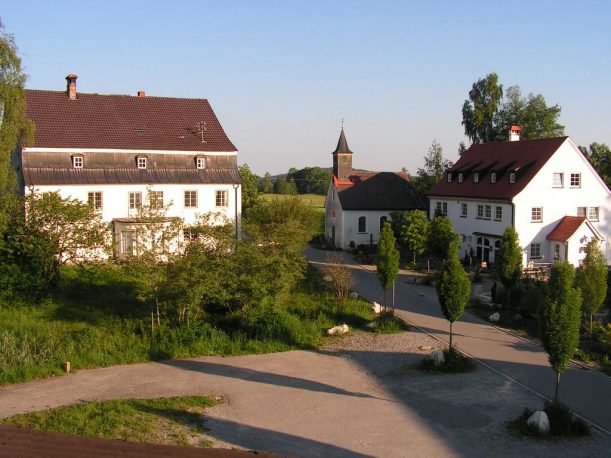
(123, 122)
(43, 168)
(567, 226)
(379, 191)
(24, 442)
(525, 158)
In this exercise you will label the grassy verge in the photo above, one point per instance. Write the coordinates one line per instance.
(171, 421)
(95, 321)
(388, 323)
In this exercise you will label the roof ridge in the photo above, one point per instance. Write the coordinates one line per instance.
(117, 95)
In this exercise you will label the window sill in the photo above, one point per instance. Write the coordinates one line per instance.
(463, 216)
(498, 219)
(537, 222)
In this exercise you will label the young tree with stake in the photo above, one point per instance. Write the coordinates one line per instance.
(388, 259)
(509, 262)
(591, 279)
(453, 288)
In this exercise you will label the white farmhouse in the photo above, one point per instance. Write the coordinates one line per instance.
(358, 203)
(111, 150)
(545, 188)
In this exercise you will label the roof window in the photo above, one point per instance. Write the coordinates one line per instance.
(512, 177)
(460, 176)
(200, 162)
(77, 161)
(449, 178)
(475, 177)
(493, 177)
(141, 161)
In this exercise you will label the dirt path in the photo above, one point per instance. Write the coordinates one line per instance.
(358, 397)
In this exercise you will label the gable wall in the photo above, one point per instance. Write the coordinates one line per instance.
(559, 202)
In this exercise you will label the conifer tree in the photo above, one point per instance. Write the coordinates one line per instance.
(559, 319)
(453, 288)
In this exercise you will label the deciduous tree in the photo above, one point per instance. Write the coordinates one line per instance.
(388, 259)
(453, 287)
(591, 279)
(415, 232)
(599, 155)
(441, 234)
(560, 318)
(250, 189)
(435, 166)
(509, 262)
(480, 110)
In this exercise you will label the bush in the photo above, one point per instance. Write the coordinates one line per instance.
(388, 323)
(563, 423)
(454, 363)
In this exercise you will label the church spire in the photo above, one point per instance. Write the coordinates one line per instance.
(342, 159)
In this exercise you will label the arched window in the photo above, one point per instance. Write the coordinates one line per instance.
(383, 219)
(362, 224)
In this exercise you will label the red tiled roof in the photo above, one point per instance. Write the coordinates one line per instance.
(124, 122)
(525, 158)
(566, 228)
(379, 191)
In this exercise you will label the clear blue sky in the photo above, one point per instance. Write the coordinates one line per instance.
(282, 74)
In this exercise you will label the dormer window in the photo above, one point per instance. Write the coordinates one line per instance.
(460, 176)
(493, 177)
(476, 177)
(512, 177)
(449, 178)
(200, 162)
(77, 162)
(141, 161)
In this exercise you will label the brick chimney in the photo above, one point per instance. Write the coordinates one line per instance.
(141, 93)
(71, 86)
(514, 133)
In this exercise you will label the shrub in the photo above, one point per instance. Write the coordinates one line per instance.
(454, 362)
(388, 323)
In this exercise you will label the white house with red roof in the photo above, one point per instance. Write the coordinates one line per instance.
(545, 188)
(358, 203)
(112, 150)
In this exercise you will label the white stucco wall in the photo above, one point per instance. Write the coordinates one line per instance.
(333, 216)
(558, 202)
(115, 198)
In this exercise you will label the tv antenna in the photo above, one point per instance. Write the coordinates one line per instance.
(201, 129)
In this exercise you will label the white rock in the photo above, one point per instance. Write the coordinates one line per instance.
(540, 421)
(372, 324)
(327, 278)
(495, 317)
(338, 330)
(438, 357)
(485, 298)
(425, 347)
(354, 295)
(377, 308)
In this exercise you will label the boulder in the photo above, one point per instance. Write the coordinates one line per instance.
(328, 278)
(517, 317)
(354, 295)
(372, 324)
(540, 421)
(425, 347)
(438, 357)
(485, 298)
(338, 330)
(377, 308)
(495, 317)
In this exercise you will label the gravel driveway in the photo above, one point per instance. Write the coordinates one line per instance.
(359, 396)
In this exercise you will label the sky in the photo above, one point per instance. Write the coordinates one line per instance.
(281, 75)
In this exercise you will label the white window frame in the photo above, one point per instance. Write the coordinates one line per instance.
(134, 200)
(536, 215)
(190, 198)
(141, 162)
(476, 177)
(488, 212)
(582, 212)
(449, 178)
(94, 198)
(575, 180)
(78, 161)
(156, 199)
(480, 211)
(535, 251)
(460, 177)
(512, 177)
(593, 213)
(498, 213)
(132, 246)
(493, 177)
(221, 198)
(464, 210)
(558, 180)
(200, 162)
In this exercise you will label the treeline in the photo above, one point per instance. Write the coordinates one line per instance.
(309, 180)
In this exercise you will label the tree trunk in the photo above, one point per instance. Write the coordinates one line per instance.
(557, 387)
(152, 322)
(414, 258)
(590, 337)
(451, 335)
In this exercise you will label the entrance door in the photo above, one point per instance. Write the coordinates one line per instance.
(127, 242)
(483, 249)
(333, 235)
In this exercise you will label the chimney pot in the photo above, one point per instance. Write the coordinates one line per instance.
(141, 93)
(514, 133)
(71, 86)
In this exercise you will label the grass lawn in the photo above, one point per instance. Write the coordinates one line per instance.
(170, 421)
